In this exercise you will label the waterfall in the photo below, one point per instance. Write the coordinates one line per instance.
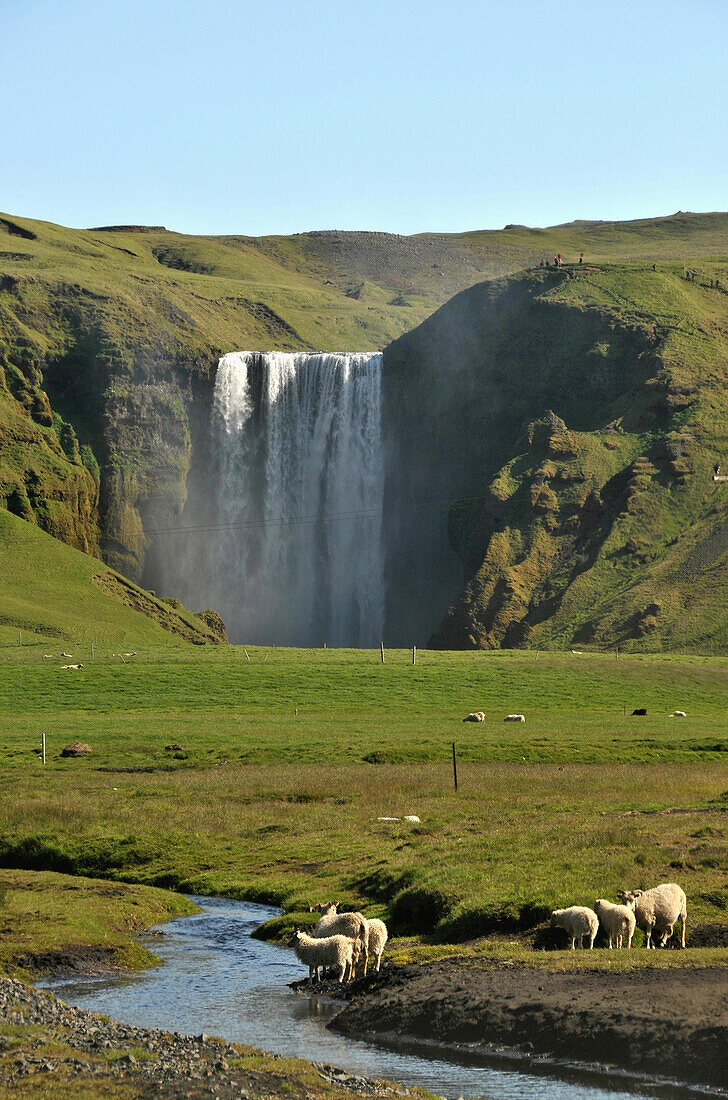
(297, 552)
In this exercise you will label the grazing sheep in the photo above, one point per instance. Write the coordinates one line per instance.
(678, 714)
(476, 716)
(580, 923)
(412, 818)
(640, 712)
(333, 923)
(617, 921)
(515, 718)
(317, 954)
(656, 910)
(377, 937)
(71, 666)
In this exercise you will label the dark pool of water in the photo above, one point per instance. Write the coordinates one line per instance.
(216, 979)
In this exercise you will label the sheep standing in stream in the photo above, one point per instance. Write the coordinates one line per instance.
(333, 923)
(579, 922)
(656, 910)
(330, 951)
(617, 921)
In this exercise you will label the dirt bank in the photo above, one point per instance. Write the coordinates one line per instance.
(665, 1023)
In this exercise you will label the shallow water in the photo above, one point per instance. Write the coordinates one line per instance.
(218, 980)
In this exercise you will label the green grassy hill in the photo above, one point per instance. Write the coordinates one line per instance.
(326, 290)
(585, 409)
(55, 597)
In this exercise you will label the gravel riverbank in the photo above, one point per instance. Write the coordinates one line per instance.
(48, 1049)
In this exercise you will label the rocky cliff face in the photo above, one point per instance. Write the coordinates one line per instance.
(98, 405)
(538, 517)
(574, 417)
(140, 426)
(44, 478)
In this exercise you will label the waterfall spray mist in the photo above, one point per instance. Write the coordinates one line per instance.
(300, 484)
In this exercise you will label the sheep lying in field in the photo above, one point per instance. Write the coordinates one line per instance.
(333, 923)
(476, 716)
(617, 921)
(515, 718)
(329, 951)
(578, 921)
(656, 910)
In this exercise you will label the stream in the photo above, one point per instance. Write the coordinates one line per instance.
(218, 980)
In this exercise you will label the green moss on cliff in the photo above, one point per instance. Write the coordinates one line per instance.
(597, 523)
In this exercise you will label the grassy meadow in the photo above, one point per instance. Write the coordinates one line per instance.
(58, 914)
(263, 775)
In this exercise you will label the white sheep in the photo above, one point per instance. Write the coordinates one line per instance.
(515, 718)
(656, 910)
(580, 922)
(617, 921)
(333, 923)
(476, 716)
(329, 951)
(678, 714)
(377, 937)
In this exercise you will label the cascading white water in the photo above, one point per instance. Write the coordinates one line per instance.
(300, 482)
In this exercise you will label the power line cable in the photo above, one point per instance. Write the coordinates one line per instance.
(297, 520)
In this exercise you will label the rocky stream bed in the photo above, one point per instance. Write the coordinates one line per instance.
(48, 1047)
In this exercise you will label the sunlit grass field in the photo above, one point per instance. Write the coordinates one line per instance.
(264, 774)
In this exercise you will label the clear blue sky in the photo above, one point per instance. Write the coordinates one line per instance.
(232, 116)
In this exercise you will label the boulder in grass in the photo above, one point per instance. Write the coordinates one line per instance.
(76, 748)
